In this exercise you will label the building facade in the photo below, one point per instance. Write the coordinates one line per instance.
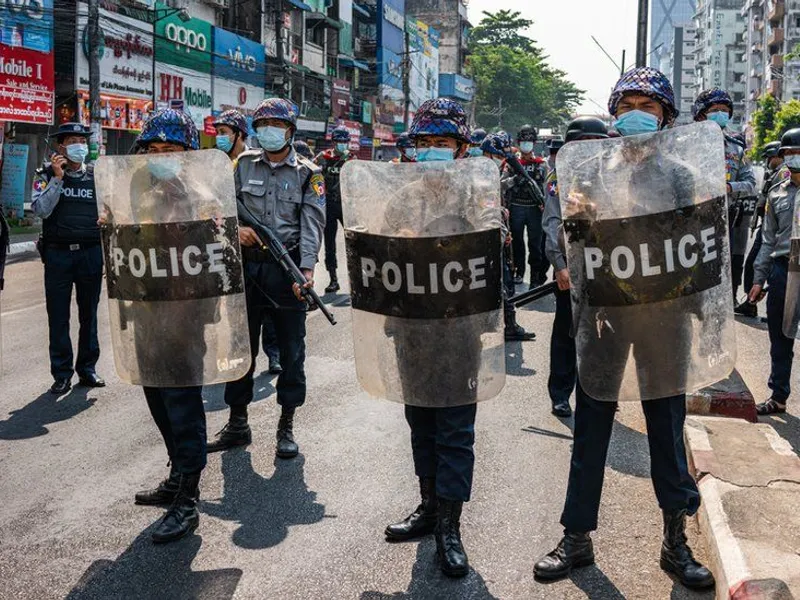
(678, 63)
(664, 17)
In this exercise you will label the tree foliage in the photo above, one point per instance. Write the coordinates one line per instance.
(763, 124)
(515, 85)
(788, 117)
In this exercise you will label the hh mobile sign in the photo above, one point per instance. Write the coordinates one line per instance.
(27, 84)
(187, 45)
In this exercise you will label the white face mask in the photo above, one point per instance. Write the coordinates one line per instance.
(792, 162)
(526, 147)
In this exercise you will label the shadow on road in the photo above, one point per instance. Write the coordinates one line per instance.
(264, 507)
(515, 358)
(428, 582)
(148, 571)
(214, 395)
(788, 427)
(629, 452)
(546, 432)
(594, 583)
(30, 420)
(754, 323)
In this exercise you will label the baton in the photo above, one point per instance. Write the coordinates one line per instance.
(513, 161)
(534, 294)
(275, 247)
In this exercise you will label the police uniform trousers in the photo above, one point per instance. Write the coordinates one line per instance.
(563, 360)
(333, 212)
(181, 419)
(269, 292)
(269, 341)
(63, 269)
(527, 217)
(594, 419)
(750, 263)
(442, 441)
(781, 347)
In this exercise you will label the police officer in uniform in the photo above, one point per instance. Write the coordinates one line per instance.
(331, 162)
(475, 140)
(772, 265)
(64, 196)
(287, 194)
(553, 146)
(303, 150)
(716, 105)
(563, 367)
(642, 102)
(408, 153)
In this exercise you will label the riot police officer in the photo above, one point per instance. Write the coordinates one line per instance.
(475, 140)
(642, 102)
(287, 194)
(331, 162)
(526, 214)
(716, 105)
(772, 265)
(563, 368)
(64, 196)
(553, 146)
(304, 150)
(408, 152)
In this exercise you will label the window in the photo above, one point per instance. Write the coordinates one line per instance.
(315, 32)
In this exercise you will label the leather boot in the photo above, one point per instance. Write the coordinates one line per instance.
(235, 433)
(333, 286)
(164, 494)
(452, 557)
(423, 520)
(182, 517)
(677, 557)
(286, 447)
(573, 551)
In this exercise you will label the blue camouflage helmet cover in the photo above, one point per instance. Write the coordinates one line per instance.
(403, 141)
(707, 98)
(169, 125)
(496, 144)
(233, 119)
(443, 117)
(277, 108)
(477, 137)
(648, 82)
(341, 135)
(303, 149)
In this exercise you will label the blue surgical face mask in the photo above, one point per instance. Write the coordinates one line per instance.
(224, 143)
(792, 161)
(77, 153)
(526, 147)
(636, 122)
(165, 168)
(435, 154)
(719, 117)
(411, 153)
(475, 151)
(342, 149)
(272, 139)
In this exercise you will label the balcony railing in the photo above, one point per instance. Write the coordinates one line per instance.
(774, 88)
(777, 37)
(777, 13)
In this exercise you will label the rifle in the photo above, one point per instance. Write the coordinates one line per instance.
(520, 171)
(275, 247)
(534, 294)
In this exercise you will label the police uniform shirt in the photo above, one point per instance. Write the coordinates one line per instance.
(288, 197)
(331, 165)
(68, 205)
(552, 224)
(777, 229)
(739, 172)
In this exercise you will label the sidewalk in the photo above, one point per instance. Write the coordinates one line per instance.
(749, 478)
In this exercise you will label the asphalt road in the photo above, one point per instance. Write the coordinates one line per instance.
(309, 528)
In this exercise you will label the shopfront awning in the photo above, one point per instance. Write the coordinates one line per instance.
(361, 10)
(317, 16)
(300, 4)
(346, 61)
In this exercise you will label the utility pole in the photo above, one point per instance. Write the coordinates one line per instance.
(94, 79)
(622, 68)
(641, 34)
(406, 80)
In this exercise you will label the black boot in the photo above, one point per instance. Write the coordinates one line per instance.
(573, 551)
(452, 557)
(333, 286)
(746, 309)
(235, 433)
(677, 557)
(182, 517)
(286, 447)
(164, 494)
(423, 520)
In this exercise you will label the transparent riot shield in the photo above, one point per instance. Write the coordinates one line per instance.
(791, 310)
(645, 221)
(173, 268)
(424, 253)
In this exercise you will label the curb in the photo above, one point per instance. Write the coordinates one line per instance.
(21, 248)
(728, 398)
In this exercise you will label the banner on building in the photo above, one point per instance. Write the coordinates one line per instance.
(236, 95)
(423, 78)
(13, 187)
(27, 80)
(186, 44)
(238, 58)
(340, 99)
(193, 87)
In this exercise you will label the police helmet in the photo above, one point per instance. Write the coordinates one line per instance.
(403, 141)
(442, 117)
(340, 135)
(233, 119)
(527, 133)
(646, 81)
(478, 135)
(496, 144)
(790, 141)
(707, 98)
(303, 149)
(169, 125)
(554, 145)
(771, 150)
(583, 127)
(277, 108)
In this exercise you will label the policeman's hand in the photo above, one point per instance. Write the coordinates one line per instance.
(248, 237)
(58, 164)
(508, 239)
(562, 279)
(309, 275)
(756, 294)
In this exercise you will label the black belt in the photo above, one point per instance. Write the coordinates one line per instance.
(75, 246)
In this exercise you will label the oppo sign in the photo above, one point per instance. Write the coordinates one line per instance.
(188, 38)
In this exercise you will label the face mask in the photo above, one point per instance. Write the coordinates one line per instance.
(498, 161)
(164, 168)
(720, 118)
(636, 122)
(793, 162)
(342, 149)
(526, 147)
(77, 153)
(224, 143)
(411, 153)
(435, 154)
(272, 139)
(475, 152)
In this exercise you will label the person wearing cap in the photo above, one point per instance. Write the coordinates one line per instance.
(642, 102)
(408, 153)
(64, 197)
(553, 146)
(286, 193)
(772, 266)
(331, 162)
(563, 360)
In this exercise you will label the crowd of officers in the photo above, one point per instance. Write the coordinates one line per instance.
(299, 199)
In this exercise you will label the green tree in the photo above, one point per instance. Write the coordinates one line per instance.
(503, 28)
(788, 117)
(763, 124)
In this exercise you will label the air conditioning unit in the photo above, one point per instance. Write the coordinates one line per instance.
(218, 3)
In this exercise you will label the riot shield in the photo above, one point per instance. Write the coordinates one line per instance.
(645, 221)
(791, 310)
(424, 253)
(173, 268)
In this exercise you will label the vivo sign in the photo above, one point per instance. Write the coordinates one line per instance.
(188, 38)
(238, 58)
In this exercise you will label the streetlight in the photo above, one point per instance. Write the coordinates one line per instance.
(183, 15)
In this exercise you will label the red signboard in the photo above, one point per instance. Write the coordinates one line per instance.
(27, 85)
(116, 112)
(340, 99)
